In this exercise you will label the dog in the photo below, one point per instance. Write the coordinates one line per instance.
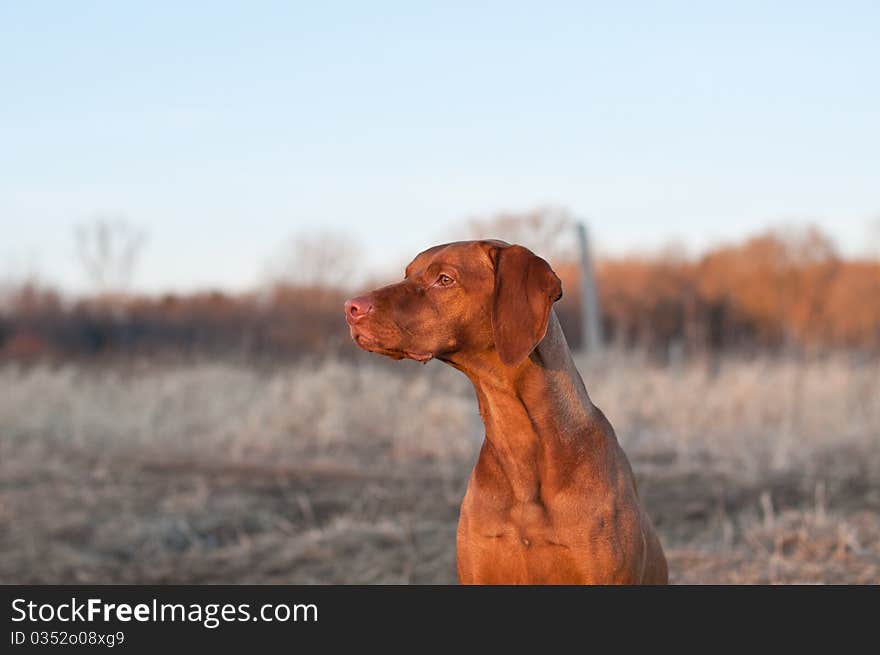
(552, 498)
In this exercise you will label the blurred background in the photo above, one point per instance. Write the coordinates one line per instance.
(189, 193)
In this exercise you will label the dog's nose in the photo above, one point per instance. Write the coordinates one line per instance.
(357, 308)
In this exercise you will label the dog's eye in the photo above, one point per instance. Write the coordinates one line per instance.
(444, 281)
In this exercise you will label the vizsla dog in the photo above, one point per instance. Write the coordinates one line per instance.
(551, 499)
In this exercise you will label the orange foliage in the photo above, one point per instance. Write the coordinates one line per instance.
(776, 289)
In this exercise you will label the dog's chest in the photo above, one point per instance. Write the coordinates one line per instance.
(523, 524)
(519, 545)
(578, 537)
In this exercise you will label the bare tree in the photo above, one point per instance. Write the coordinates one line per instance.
(316, 259)
(108, 248)
(548, 231)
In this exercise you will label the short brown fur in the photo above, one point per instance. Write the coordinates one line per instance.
(552, 498)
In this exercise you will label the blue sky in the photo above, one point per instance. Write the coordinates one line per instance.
(223, 128)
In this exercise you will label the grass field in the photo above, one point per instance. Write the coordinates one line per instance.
(764, 471)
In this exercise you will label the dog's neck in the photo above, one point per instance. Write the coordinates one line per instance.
(535, 414)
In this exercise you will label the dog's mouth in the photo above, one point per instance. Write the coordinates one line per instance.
(371, 344)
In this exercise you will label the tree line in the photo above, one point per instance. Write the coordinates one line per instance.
(781, 291)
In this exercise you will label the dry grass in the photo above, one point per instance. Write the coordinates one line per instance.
(763, 471)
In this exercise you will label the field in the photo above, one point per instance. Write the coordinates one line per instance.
(761, 471)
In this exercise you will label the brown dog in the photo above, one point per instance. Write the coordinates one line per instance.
(552, 497)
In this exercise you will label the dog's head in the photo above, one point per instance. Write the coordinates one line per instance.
(467, 297)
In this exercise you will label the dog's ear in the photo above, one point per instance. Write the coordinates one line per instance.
(525, 290)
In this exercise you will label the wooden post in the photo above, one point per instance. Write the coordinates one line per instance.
(592, 339)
